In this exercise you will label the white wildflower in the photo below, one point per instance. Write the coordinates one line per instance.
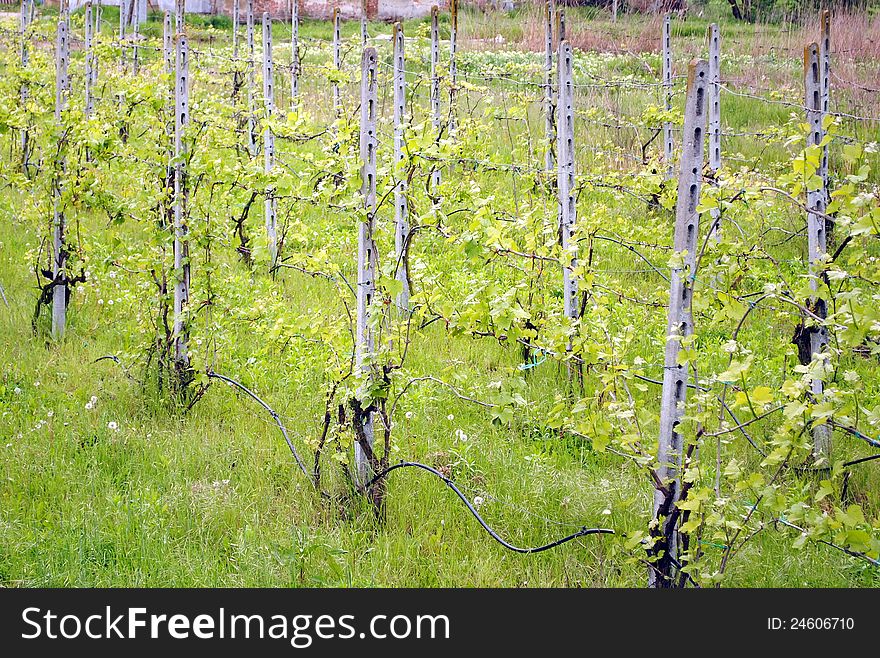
(478, 501)
(89, 406)
(450, 417)
(408, 415)
(113, 425)
(16, 390)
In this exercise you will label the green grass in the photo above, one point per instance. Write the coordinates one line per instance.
(212, 498)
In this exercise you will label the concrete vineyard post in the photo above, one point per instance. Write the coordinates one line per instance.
(96, 36)
(566, 180)
(364, 34)
(668, 144)
(294, 54)
(337, 60)
(251, 75)
(401, 210)
(816, 231)
(435, 86)
(123, 10)
(680, 322)
(560, 24)
(27, 11)
(825, 78)
(271, 203)
(168, 43)
(453, 66)
(168, 53)
(59, 246)
(236, 5)
(135, 37)
(714, 90)
(90, 53)
(181, 245)
(549, 108)
(367, 256)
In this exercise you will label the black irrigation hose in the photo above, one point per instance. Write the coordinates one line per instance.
(272, 413)
(538, 549)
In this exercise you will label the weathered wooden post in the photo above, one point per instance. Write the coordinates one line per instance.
(435, 85)
(59, 240)
(614, 7)
(181, 228)
(367, 256)
(816, 232)
(251, 79)
(680, 325)
(271, 203)
(566, 180)
(549, 105)
(294, 54)
(337, 60)
(668, 144)
(401, 209)
(714, 90)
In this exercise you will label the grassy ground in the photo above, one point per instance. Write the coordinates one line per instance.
(120, 491)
